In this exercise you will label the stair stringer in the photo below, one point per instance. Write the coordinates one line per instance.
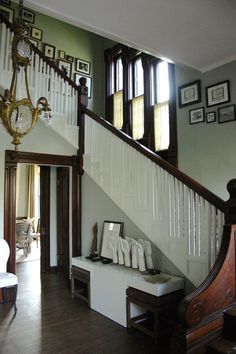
(183, 225)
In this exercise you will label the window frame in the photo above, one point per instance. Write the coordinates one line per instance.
(129, 56)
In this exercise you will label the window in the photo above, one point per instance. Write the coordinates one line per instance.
(161, 107)
(137, 100)
(141, 100)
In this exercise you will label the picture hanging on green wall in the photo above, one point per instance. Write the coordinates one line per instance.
(82, 66)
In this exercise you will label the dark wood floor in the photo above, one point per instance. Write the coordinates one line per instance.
(50, 321)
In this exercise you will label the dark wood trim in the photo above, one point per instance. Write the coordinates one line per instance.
(10, 212)
(45, 187)
(11, 159)
(13, 156)
(173, 147)
(191, 183)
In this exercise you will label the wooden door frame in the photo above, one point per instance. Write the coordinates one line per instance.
(11, 159)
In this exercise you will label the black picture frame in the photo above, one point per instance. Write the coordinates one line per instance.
(82, 66)
(7, 13)
(69, 58)
(196, 115)
(28, 15)
(226, 114)
(49, 51)
(88, 83)
(65, 66)
(36, 33)
(189, 93)
(61, 54)
(211, 117)
(218, 94)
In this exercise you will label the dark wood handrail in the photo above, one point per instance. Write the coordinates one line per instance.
(42, 56)
(188, 181)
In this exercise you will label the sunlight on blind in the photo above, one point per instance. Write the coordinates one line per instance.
(138, 117)
(161, 125)
(118, 109)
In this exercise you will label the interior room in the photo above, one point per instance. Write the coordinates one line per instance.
(117, 206)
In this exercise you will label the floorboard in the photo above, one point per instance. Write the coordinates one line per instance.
(49, 321)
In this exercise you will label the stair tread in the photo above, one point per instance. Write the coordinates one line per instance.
(222, 345)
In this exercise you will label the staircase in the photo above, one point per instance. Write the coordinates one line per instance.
(181, 217)
(226, 344)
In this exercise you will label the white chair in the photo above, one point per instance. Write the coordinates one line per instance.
(7, 280)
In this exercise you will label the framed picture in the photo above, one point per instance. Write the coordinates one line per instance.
(112, 230)
(34, 42)
(88, 83)
(217, 94)
(189, 93)
(28, 15)
(196, 115)
(210, 117)
(36, 33)
(226, 114)
(6, 2)
(49, 51)
(61, 54)
(7, 13)
(69, 58)
(82, 66)
(65, 66)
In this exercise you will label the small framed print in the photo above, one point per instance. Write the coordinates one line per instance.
(7, 13)
(28, 16)
(69, 58)
(65, 66)
(217, 93)
(61, 54)
(226, 114)
(196, 115)
(189, 93)
(210, 117)
(88, 82)
(49, 51)
(82, 66)
(36, 33)
(34, 42)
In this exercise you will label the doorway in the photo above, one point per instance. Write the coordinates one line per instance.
(11, 160)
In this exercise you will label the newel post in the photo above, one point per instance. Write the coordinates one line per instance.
(230, 204)
(83, 103)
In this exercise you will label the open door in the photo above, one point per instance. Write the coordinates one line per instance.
(63, 221)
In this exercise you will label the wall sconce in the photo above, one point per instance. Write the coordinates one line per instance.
(19, 116)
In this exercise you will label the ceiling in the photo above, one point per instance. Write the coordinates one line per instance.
(197, 33)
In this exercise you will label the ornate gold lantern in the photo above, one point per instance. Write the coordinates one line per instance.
(19, 116)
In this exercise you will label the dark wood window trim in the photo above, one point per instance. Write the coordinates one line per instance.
(129, 55)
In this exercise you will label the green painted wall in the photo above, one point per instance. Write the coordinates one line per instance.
(207, 150)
